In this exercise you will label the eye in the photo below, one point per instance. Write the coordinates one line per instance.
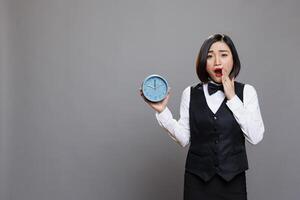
(209, 56)
(224, 55)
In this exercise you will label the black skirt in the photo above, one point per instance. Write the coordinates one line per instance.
(215, 189)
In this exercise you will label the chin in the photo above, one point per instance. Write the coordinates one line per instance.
(217, 80)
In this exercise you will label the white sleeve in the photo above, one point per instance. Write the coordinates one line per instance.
(179, 130)
(248, 114)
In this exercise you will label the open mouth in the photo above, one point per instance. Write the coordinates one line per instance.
(218, 72)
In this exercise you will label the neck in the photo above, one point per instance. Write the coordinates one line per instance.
(212, 81)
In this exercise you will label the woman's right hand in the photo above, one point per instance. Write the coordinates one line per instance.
(157, 106)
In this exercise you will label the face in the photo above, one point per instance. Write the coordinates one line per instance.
(219, 61)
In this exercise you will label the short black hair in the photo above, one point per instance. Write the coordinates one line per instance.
(202, 56)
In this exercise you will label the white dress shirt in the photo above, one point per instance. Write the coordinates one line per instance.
(246, 113)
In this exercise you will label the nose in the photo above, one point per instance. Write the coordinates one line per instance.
(217, 61)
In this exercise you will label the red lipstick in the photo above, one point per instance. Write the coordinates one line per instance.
(218, 72)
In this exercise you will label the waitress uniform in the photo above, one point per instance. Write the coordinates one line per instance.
(216, 129)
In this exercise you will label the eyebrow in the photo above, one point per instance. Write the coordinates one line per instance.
(210, 51)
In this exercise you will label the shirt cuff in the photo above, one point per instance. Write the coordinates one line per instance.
(235, 103)
(164, 117)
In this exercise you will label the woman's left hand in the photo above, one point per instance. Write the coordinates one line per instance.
(228, 84)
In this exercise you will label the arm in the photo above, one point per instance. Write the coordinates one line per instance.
(248, 114)
(179, 130)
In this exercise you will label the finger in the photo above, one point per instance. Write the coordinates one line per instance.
(166, 99)
(227, 82)
(223, 75)
(224, 79)
(224, 72)
(168, 96)
(142, 95)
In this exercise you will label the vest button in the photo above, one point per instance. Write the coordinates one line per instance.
(215, 117)
(216, 141)
(216, 166)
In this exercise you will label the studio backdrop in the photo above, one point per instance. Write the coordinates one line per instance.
(73, 123)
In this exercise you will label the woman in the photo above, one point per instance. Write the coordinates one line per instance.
(216, 115)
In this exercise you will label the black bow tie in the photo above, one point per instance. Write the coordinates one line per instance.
(212, 88)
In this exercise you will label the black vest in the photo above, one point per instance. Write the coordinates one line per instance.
(217, 141)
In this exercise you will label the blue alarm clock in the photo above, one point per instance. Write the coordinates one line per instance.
(155, 88)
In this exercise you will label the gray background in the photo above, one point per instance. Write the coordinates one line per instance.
(73, 125)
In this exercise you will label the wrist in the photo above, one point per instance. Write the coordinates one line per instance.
(231, 96)
(160, 110)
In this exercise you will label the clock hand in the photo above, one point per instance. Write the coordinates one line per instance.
(154, 83)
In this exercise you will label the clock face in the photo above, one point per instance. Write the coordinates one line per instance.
(155, 88)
